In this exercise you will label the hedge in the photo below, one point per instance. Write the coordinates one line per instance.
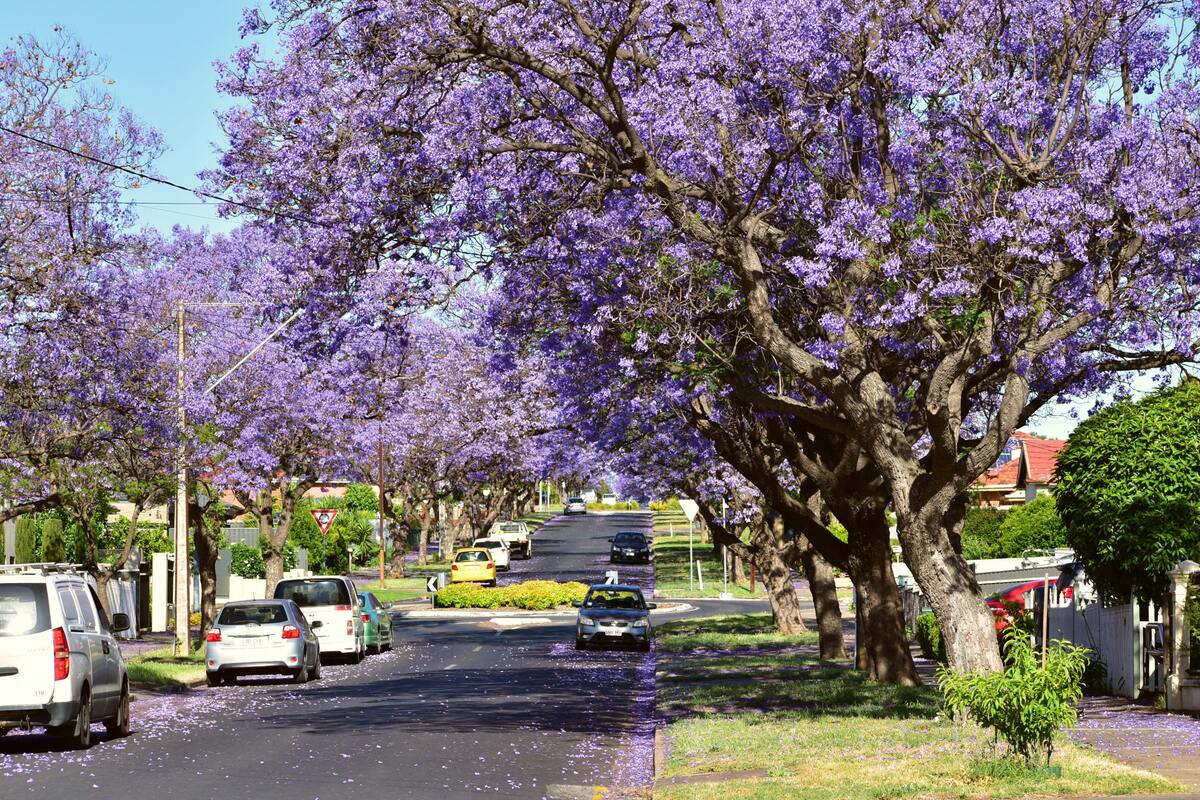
(929, 636)
(530, 595)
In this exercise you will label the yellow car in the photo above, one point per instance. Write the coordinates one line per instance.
(473, 565)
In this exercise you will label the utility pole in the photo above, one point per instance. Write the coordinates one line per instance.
(382, 521)
(182, 573)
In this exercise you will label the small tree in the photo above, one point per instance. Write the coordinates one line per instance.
(981, 533)
(26, 540)
(54, 546)
(1129, 491)
(1033, 526)
(361, 497)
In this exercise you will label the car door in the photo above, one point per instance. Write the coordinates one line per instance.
(104, 671)
(112, 650)
(78, 640)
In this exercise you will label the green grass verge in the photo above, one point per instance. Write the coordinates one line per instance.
(162, 668)
(396, 589)
(671, 570)
(725, 632)
(826, 732)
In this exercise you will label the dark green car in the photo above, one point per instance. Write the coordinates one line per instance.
(377, 623)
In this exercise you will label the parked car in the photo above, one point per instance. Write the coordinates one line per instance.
(630, 547)
(377, 623)
(333, 601)
(515, 534)
(575, 505)
(499, 550)
(613, 615)
(1009, 602)
(262, 637)
(60, 666)
(473, 565)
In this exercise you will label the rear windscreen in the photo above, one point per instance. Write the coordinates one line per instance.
(252, 615)
(314, 593)
(23, 609)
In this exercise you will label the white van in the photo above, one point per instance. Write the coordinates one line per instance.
(60, 666)
(333, 601)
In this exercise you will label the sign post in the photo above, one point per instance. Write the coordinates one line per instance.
(691, 508)
(324, 518)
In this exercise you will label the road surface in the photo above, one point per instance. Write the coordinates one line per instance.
(459, 709)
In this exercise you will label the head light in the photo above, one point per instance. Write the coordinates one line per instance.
(587, 622)
(638, 623)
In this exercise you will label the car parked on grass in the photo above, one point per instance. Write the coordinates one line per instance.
(473, 565)
(60, 666)
(575, 505)
(613, 615)
(631, 547)
(333, 601)
(499, 550)
(262, 637)
(377, 623)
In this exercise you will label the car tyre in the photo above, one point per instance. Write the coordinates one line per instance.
(644, 647)
(315, 673)
(118, 726)
(580, 644)
(213, 679)
(77, 735)
(374, 649)
(301, 675)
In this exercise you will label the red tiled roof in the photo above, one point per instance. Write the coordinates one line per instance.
(1040, 457)
(1003, 475)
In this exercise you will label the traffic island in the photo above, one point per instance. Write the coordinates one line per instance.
(751, 713)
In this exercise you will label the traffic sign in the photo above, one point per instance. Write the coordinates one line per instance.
(690, 507)
(324, 518)
(431, 584)
(610, 577)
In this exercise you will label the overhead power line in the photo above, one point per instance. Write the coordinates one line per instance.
(145, 176)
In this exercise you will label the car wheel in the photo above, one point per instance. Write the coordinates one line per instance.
(213, 679)
(373, 650)
(644, 647)
(580, 644)
(78, 735)
(315, 672)
(230, 680)
(118, 726)
(301, 675)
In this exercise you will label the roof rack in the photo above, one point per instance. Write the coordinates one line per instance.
(43, 568)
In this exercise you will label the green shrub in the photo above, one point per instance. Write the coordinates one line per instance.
(26, 540)
(666, 505)
(1033, 526)
(246, 561)
(624, 505)
(54, 545)
(981, 533)
(929, 636)
(1026, 704)
(530, 595)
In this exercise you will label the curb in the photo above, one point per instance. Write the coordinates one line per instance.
(660, 751)
(492, 613)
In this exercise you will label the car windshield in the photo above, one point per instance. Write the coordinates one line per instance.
(473, 555)
(574, 499)
(306, 593)
(630, 539)
(23, 609)
(252, 615)
(614, 598)
(493, 544)
(510, 527)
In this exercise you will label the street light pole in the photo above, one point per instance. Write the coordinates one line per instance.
(382, 522)
(182, 573)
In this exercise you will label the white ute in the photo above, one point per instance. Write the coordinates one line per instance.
(515, 535)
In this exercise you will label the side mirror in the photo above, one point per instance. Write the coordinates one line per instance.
(315, 625)
(120, 622)
(577, 603)
(652, 606)
(610, 540)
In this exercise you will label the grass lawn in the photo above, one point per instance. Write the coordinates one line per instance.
(162, 668)
(396, 589)
(671, 569)
(825, 732)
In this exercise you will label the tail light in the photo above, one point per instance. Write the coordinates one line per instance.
(366, 617)
(490, 565)
(291, 632)
(350, 625)
(453, 567)
(62, 655)
(342, 608)
(214, 635)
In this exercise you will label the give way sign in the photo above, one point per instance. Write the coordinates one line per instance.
(324, 518)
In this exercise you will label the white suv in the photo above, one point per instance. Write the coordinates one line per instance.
(60, 666)
(333, 601)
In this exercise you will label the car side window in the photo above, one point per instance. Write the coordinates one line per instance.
(87, 614)
(70, 611)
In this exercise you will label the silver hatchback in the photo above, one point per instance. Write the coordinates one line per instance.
(262, 637)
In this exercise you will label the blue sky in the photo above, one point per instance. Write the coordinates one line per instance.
(161, 56)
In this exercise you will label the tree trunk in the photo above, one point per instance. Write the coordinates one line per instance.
(825, 600)
(882, 645)
(781, 592)
(206, 559)
(968, 626)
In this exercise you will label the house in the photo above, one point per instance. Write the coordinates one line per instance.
(1023, 471)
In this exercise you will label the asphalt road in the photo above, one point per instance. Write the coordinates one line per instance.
(459, 709)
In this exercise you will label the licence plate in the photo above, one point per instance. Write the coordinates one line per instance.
(248, 641)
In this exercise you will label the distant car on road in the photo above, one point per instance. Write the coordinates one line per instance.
(377, 623)
(613, 615)
(60, 667)
(499, 550)
(575, 505)
(608, 499)
(333, 601)
(473, 565)
(262, 637)
(630, 547)
(515, 534)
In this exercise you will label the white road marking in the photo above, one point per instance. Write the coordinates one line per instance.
(449, 666)
(476, 648)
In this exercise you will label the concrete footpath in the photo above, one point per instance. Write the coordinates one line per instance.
(1143, 737)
